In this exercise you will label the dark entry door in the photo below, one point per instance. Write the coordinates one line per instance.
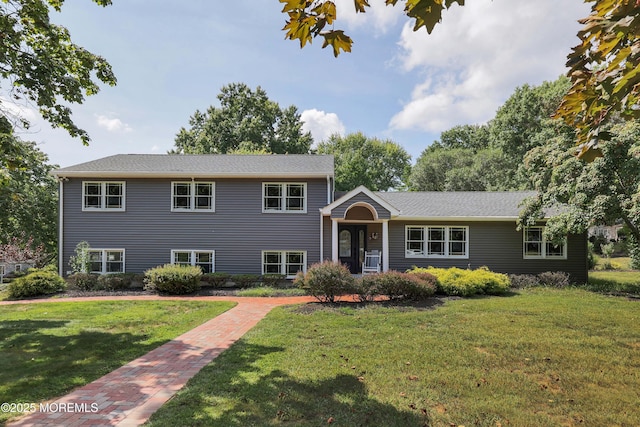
(352, 243)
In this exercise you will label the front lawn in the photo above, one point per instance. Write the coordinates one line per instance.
(615, 281)
(48, 349)
(542, 357)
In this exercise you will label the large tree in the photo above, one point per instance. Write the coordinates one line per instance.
(28, 193)
(600, 192)
(379, 165)
(39, 64)
(246, 120)
(604, 67)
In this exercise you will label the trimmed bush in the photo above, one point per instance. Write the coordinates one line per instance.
(217, 279)
(458, 282)
(173, 279)
(83, 281)
(272, 279)
(245, 280)
(396, 285)
(523, 281)
(115, 282)
(325, 281)
(555, 279)
(39, 282)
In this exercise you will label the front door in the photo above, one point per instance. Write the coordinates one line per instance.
(352, 243)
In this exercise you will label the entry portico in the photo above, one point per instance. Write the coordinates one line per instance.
(359, 223)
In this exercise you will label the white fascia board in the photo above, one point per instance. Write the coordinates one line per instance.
(186, 175)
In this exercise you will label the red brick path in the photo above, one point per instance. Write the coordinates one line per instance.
(129, 395)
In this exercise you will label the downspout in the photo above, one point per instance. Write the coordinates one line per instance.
(329, 192)
(321, 238)
(60, 224)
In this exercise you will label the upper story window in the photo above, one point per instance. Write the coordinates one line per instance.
(284, 197)
(103, 196)
(104, 261)
(192, 196)
(536, 245)
(436, 242)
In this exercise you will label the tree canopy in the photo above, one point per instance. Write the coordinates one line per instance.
(491, 157)
(40, 64)
(379, 165)
(604, 68)
(28, 193)
(246, 121)
(600, 192)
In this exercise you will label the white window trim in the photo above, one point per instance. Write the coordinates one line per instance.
(103, 197)
(284, 198)
(103, 268)
(283, 265)
(544, 246)
(193, 256)
(425, 231)
(192, 202)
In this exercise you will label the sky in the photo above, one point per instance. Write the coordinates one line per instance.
(172, 58)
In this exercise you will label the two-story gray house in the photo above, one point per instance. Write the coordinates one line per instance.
(277, 214)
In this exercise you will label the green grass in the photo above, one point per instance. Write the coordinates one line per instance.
(48, 349)
(268, 291)
(543, 357)
(613, 281)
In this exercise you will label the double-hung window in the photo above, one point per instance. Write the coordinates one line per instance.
(536, 245)
(100, 196)
(202, 259)
(284, 262)
(284, 197)
(104, 261)
(192, 196)
(436, 242)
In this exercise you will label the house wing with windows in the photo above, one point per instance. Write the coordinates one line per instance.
(266, 214)
(445, 229)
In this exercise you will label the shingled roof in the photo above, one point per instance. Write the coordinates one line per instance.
(203, 165)
(457, 204)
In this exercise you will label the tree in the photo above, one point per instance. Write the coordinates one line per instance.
(42, 65)
(475, 137)
(28, 193)
(458, 169)
(379, 165)
(604, 67)
(246, 119)
(599, 192)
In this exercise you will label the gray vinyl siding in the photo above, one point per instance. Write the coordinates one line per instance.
(237, 231)
(339, 211)
(497, 245)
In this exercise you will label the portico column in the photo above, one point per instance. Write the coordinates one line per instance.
(385, 245)
(334, 240)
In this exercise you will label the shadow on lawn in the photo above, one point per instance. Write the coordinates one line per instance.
(237, 390)
(38, 364)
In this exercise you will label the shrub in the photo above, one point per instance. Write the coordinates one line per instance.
(272, 279)
(396, 285)
(425, 287)
(38, 282)
(83, 281)
(326, 280)
(115, 282)
(217, 279)
(173, 279)
(556, 279)
(245, 280)
(458, 282)
(523, 281)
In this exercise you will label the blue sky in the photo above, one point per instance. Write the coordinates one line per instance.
(171, 58)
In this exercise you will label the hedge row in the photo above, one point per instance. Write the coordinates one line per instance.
(461, 282)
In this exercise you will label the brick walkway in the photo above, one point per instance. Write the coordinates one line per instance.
(129, 395)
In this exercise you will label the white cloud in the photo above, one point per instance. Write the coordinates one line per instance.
(379, 16)
(321, 125)
(112, 124)
(479, 54)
